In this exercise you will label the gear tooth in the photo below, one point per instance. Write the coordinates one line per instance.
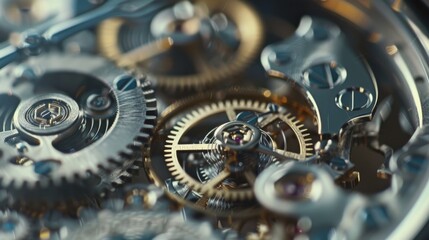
(143, 136)
(169, 165)
(189, 116)
(131, 150)
(137, 145)
(207, 108)
(256, 104)
(147, 126)
(134, 170)
(195, 113)
(220, 104)
(116, 162)
(151, 112)
(175, 173)
(231, 196)
(242, 195)
(148, 91)
(142, 141)
(214, 106)
(171, 137)
(169, 141)
(238, 102)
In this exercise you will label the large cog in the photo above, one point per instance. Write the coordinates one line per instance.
(70, 123)
(187, 29)
(215, 185)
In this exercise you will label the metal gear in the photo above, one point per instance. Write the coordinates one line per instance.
(70, 124)
(193, 161)
(208, 187)
(235, 30)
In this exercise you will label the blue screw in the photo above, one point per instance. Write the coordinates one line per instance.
(45, 167)
(125, 82)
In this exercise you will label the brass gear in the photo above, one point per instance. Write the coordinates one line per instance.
(249, 29)
(229, 107)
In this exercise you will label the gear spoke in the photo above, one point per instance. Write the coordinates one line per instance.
(267, 121)
(198, 147)
(231, 113)
(202, 202)
(291, 155)
(250, 177)
(213, 183)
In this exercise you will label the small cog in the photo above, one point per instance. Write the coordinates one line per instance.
(191, 44)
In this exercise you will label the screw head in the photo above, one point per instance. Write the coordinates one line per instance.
(354, 99)
(98, 103)
(125, 83)
(33, 44)
(46, 167)
(324, 75)
(281, 58)
(338, 164)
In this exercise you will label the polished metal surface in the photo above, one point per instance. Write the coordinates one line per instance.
(277, 119)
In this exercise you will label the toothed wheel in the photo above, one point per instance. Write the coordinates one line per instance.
(197, 170)
(70, 124)
(220, 178)
(190, 45)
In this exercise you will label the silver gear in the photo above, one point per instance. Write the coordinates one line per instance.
(51, 143)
